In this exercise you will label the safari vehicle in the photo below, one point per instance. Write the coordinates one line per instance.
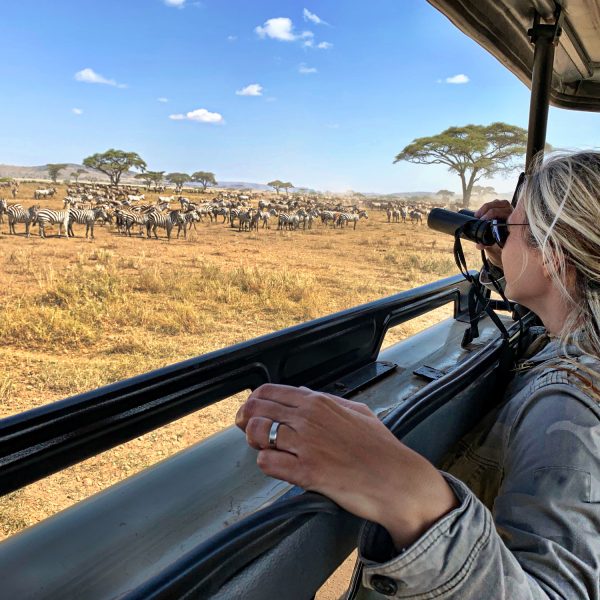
(206, 522)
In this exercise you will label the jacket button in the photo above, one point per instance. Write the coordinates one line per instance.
(384, 585)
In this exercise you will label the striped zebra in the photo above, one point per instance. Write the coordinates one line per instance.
(329, 216)
(47, 216)
(126, 219)
(220, 211)
(185, 220)
(416, 217)
(17, 214)
(3, 209)
(157, 219)
(87, 218)
(245, 219)
(288, 221)
(345, 218)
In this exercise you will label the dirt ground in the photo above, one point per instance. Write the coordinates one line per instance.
(78, 314)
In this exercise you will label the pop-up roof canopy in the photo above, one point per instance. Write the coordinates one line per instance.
(501, 26)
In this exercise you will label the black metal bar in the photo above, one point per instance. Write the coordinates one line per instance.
(544, 37)
(45, 440)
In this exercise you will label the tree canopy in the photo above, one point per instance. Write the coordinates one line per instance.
(205, 178)
(178, 179)
(151, 178)
(472, 151)
(54, 169)
(276, 184)
(114, 163)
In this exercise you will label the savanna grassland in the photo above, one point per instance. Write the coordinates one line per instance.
(77, 314)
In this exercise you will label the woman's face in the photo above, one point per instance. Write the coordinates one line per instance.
(526, 281)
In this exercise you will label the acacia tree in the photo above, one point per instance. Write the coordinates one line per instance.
(178, 179)
(472, 151)
(286, 185)
(54, 169)
(445, 194)
(276, 184)
(151, 178)
(114, 163)
(205, 178)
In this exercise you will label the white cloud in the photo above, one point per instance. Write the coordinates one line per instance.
(201, 115)
(77, 111)
(324, 45)
(90, 76)
(305, 70)
(254, 89)
(162, 99)
(461, 78)
(308, 16)
(175, 3)
(279, 28)
(231, 38)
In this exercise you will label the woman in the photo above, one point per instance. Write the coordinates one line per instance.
(515, 512)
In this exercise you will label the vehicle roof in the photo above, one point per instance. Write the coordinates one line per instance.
(500, 26)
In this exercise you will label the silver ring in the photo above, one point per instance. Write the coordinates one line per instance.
(273, 434)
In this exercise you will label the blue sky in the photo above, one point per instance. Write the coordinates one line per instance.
(323, 95)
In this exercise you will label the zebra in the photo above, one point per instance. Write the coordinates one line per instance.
(288, 221)
(47, 216)
(3, 209)
(157, 219)
(328, 216)
(416, 217)
(87, 218)
(344, 218)
(221, 211)
(126, 219)
(185, 220)
(245, 220)
(17, 214)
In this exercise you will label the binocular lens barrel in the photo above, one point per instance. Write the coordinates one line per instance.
(471, 228)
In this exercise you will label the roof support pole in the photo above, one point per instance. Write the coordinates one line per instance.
(544, 38)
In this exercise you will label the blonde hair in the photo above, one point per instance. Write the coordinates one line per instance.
(561, 198)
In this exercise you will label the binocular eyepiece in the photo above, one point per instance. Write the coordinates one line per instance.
(471, 228)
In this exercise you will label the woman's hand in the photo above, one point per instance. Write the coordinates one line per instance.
(496, 209)
(340, 448)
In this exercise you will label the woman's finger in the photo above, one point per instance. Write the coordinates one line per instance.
(283, 394)
(259, 429)
(280, 465)
(258, 407)
(358, 407)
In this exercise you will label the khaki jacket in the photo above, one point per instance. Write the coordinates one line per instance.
(528, 482)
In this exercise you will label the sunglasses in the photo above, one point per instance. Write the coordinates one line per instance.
(500, 230)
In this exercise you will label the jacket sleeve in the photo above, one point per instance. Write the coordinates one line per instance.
(542, 541)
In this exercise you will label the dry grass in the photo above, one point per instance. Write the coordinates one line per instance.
(78, 314)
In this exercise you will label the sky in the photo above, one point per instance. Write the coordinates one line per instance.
(322, 94)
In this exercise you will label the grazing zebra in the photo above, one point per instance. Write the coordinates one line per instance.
(87, 218)
(17, 214)
(416, 217)
(345, 218)
(157, 219)
(126, 219)
(47, 216)
(3, 209)
(221, 211)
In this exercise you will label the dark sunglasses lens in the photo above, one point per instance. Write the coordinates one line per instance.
(500, 232)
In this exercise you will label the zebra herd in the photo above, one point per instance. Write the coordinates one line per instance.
(133, 220)
(395, 214)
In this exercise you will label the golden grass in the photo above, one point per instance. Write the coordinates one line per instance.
(78, 314)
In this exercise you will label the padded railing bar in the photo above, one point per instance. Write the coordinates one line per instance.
(206, 568)
(45, 440)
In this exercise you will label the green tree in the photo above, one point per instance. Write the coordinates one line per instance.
(54, 169)
(276, 184)
(178, 179)
(114, 163)
(286, 185)
(151, 178)
(205, 178)
(472, 151)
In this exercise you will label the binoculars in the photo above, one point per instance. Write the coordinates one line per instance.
(468, 226)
